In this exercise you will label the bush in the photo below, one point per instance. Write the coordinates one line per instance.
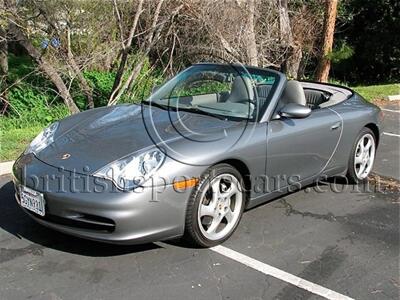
(372, 31)
(102, 83)
(34, 100)
(29, 106)
(147, 79)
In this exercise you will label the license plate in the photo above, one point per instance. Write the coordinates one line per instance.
(32, 200)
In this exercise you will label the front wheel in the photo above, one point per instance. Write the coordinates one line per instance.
(362, 156)
(215, 206)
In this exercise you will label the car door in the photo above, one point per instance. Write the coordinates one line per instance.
(298, 149)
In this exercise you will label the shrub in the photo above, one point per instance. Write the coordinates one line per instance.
(102, 83)
(144, 83)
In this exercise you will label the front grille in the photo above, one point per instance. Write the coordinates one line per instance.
(78, 220)
(82, 221)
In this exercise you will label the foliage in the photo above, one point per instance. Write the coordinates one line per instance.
(372, 30)
(32, 98)
(144, 83)
(374, 92)
(341, 52)
(14, 141)
(367, 49)
(37, 116)
(101, 83)
(35, 94)
(19, 66)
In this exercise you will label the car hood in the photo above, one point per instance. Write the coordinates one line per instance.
(88, 141)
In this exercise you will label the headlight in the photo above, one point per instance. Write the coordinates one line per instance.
(45, 138)
(132, 171)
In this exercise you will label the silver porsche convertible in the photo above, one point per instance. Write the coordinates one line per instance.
(211, 142)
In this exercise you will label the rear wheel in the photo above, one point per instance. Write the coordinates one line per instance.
(362, 157)
(215, 206)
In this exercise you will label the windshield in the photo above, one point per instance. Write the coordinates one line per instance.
(220, 90)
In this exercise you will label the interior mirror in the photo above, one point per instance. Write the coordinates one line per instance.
(294, 110)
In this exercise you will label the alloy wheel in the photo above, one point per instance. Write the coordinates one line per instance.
(220, 206)
(364, 156)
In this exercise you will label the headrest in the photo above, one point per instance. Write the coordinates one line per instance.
(241, 90)
(293, 93)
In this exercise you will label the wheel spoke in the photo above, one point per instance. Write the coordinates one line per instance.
(215, 187)
(368, 145)
(358, 160)
(367, 160)
(362, 145)
(229, 215)
(362, 168)
(206, 210)
(214, 224)
(232, 191)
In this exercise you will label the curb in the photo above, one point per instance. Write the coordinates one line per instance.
(393, 98)
(6, 167)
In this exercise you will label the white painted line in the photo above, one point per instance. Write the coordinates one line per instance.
(277, 273)
(391, 134)
(391, 110)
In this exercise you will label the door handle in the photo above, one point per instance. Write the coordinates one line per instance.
(336, 125)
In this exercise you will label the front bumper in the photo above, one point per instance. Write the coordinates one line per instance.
(93, 208)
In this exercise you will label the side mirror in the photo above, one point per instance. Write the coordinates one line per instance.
(296, 111)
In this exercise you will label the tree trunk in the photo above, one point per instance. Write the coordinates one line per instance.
(3, 65)
(292, 63)
(284, 23)
(71, 62)
(152, 36)
(45, 66)
(85, 87)
(252, 53)
(324, 63)
(126, 47)
(3, 71)
(294, 53)
(3, 53)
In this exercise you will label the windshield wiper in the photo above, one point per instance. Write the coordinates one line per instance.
(153, 103)
(188, 109)
(203, 112)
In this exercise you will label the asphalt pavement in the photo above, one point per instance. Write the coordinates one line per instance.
(347, 242)
(387, 161)
(344, 239)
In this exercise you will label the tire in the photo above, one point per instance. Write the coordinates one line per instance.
(354, 171)
(218, 198)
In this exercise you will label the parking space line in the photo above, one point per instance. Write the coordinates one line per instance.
(279, 274)
(391, 134)
(391, 110)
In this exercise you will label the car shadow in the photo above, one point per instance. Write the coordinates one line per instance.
(16, 222)
(328, 184)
